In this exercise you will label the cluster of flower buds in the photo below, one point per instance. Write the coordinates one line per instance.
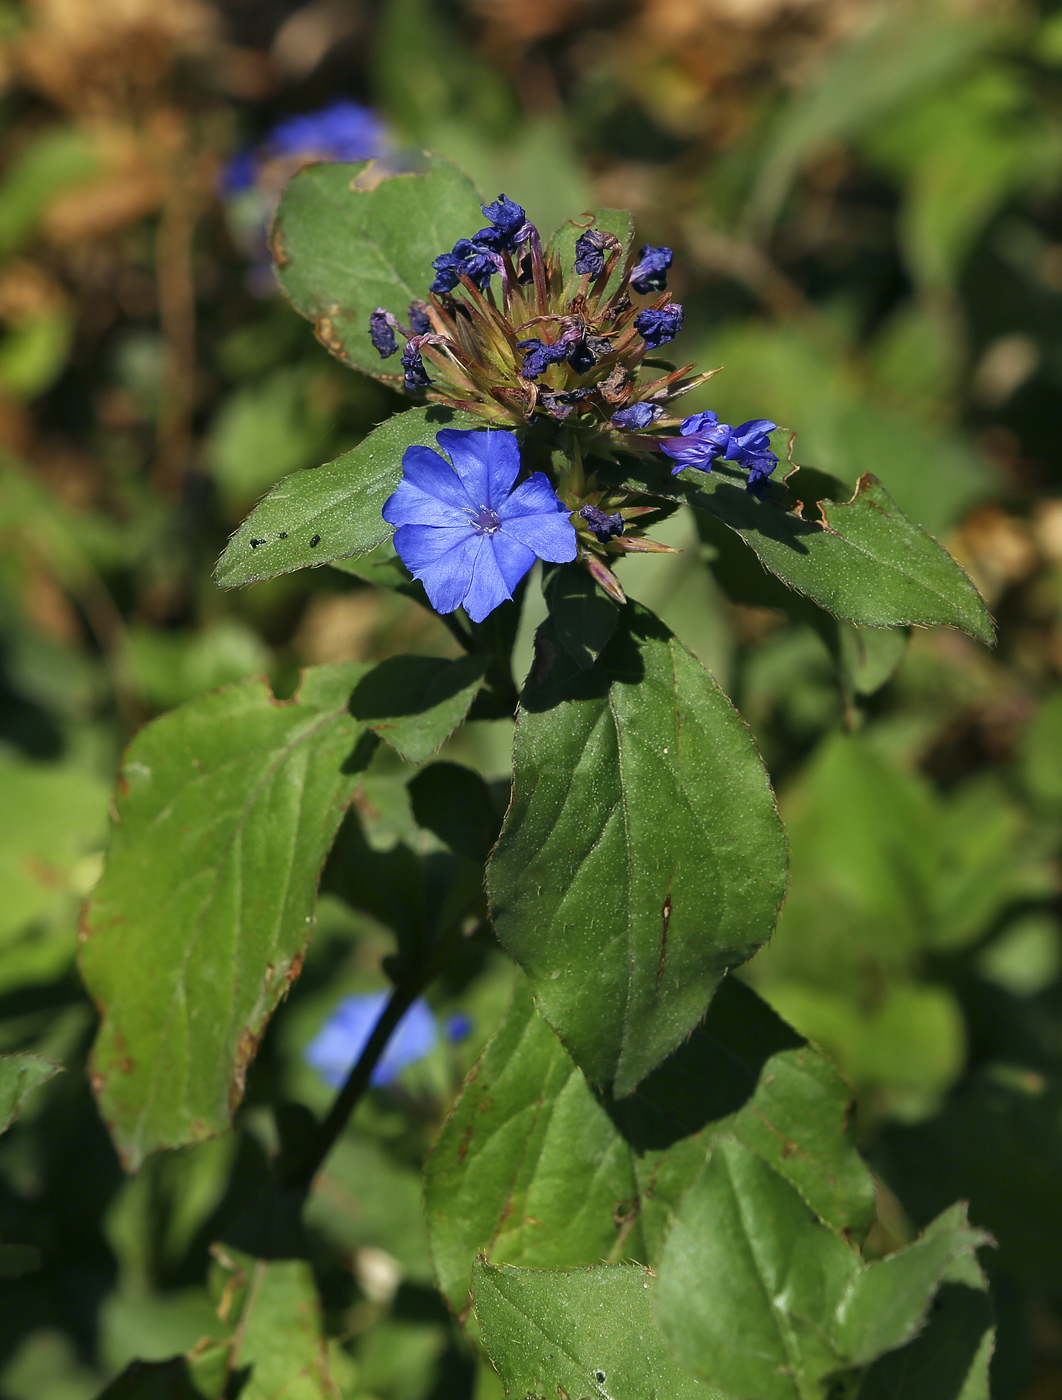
(545, 340)
(553, 348)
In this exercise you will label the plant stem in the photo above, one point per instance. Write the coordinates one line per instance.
(303, 1171)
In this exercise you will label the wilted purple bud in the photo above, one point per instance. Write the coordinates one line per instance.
(413, 365)
(419, 317)
(603, 525)
(649, 274)
(590, 253)
(382, 332)
(658, 326)
(636, 417)
(561, 405)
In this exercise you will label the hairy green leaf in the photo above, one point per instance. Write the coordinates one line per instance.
(757, 1296)
(225, 811)
(332, 512)
(862, 560)
(578, 1333)
(414, 703)
(341, 251)
(642, 854)
(531, 1168)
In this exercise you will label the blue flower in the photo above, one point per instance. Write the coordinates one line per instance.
(649, 274)
(240, 172)
(470, 259)
(507, 217)
(382, 332)
(636, 417)
(419, 317)
(590, 253)
(461, 532)
(344, 130)
(750, 445)
(603, 525)
(335, 1049)
(660, 325)
(704, 440)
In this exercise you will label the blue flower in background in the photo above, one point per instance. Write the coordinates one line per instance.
(462, 533)
(658, 325)
(459, 1027)
(344, 130)
(336, 1047)
(649, 274)
(705, 440)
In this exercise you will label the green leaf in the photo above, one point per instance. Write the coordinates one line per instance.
(578, 1333)
(454, 803)
(886, 1304)
(755, 1295)
(862, 561)
(948, 1360)
(532, 1169)
(528, 1168)
(56, 160)
(341, 251)
(331, 512)
(615, 221)
(414, 703)
(278, 1338)
(584, 617)
(19, 1076)
(642, 854)
(866, 657)
(52, 820)
(225, 811)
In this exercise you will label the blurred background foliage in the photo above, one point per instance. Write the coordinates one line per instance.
(865, 202)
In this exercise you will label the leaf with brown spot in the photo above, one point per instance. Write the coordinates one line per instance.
(226, 810)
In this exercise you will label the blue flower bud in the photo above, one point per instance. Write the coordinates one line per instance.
(659, 325)
(649, 274)
(507, 217)
(538, 356)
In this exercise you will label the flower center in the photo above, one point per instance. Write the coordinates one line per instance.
(485, 521)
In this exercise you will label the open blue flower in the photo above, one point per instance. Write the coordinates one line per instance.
(462, 533)
(335, 1049)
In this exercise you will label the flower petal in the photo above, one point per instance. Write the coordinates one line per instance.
(442, 557)
(486, 460)
(513, 557)
(538, 518)
(488, 587)
(430, 492)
